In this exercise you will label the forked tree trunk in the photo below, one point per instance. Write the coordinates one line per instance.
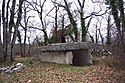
(72, 21)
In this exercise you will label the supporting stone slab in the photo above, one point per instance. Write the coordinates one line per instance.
(81, 57)
(56, 57)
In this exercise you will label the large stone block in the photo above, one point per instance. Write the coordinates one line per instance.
(75, 53)
(64, 46)
(81, 57)
(56, 57)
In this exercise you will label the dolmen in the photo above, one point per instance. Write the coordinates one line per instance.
(75, 53)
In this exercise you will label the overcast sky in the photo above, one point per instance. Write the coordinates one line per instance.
(89, 8)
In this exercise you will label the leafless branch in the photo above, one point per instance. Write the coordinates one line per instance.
(35, 28)
(96, 14)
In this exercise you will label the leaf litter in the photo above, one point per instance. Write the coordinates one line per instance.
(44, 72)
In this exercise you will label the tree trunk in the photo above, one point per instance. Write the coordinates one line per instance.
(72, 21)
(17, 25)
(84, 30)
(108, 41)
(56, 24)
(25, 30)
(121, 8)
(19, 40)
(102, 40)
(4, 31)
(46, 39)
(120, 23)
(24, 45)
(1, 50)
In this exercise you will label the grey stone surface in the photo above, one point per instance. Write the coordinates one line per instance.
(56, 57)
(82, 57)
(64, 46)
(75, 53)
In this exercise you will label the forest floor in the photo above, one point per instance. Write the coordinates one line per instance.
(102, 71)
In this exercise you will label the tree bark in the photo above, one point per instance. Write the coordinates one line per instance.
(108, 41)
(102, 40)
(122, 14)
(4, 30)
(8, 43)
(72, 21)
(56, 23)
(84, 29)
(17, 25)
(1, 52)
(116, 8)
(25, 31)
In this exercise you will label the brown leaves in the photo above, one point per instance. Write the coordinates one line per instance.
(43, 72)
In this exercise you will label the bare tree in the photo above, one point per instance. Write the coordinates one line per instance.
(55, 33)
(56, 21)
(38, 7)
(117, 9)
(58, 33)
(71, 18)
(1, 53)
(85, 20)
(25, 26)
(9, 37)
(84, 28)
(0, 28)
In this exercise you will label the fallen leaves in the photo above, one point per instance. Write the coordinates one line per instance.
(43, 72)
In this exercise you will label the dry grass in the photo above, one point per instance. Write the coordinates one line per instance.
(43, 72)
